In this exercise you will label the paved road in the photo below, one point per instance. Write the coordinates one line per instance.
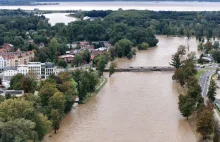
(204, 81)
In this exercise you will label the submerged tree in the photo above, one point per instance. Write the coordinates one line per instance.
(112, 68)
(186, 105)
(176, 63)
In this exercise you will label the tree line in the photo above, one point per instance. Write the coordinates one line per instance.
(30, 117)
(191, 101)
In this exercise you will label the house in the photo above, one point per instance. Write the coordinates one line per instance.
(31, 41)
(6, 47)
(68, 58)
(41, 45)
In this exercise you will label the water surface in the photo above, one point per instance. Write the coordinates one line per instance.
(115, 5)
(132, 107)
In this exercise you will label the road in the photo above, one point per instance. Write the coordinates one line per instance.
(204, 81)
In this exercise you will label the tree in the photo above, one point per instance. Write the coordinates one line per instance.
(101, 65)
(186, 105)
(57, 101)
(123, 47)
(12, 109)
(216, 137)
(181, 50)
(77, 60)
(46, 92)
(15, 81)
(143, 46)
(18, 130)
(28, 84)
(43, 125)
(179, 76)
(176, 61)
(205, 123)
(62, 63)
(86, 56)
(112, 68)
(212, 90)
(55, 118)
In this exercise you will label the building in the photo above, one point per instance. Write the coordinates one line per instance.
(68, 58)
(34, 69)
(9, 72)
(16, 58)
(6, 47)
(17, 93)
(2, 63)
(50, 69)
(23, 69)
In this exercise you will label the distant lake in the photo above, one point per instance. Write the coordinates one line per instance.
(59, 18)
(114, 5)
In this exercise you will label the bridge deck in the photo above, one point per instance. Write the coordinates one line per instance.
(142, 69)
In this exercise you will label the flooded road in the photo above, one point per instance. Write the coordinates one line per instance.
(132, 107)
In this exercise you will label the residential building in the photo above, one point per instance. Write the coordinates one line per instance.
(16, 58)
(23, 69)
(68, 58)
(49, 69)
(2, 63)
(9, 72)
(34, 69)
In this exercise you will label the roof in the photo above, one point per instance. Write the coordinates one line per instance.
(10, 68)
(66, 56)
(49, 65)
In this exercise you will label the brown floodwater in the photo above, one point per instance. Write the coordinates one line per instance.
(132, 107)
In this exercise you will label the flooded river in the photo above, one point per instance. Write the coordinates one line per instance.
(132, 107)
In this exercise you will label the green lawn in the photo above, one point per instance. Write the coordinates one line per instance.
(199, 73)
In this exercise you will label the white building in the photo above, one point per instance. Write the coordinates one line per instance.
(23, 69)
(9, 72)
(49, 69)
(34, 69)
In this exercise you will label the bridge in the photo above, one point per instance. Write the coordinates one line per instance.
(142, 69)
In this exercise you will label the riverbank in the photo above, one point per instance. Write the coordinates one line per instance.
(103, 81)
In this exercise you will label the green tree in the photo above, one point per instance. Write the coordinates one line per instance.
(28, 84)
(55, 118)
(18, 130)
(77, 60)
(46, 92)
(86, 55)
(15, 82)
(112, 68)
(123, 47)
(57, 101)
(181, 50)
(186, 105)
(62, 63)
(12, 109)
(101, 65)
(212, 90)
(43, 125)
(143, 46)
(176, 61)
(205, 123)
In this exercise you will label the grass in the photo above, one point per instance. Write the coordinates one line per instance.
(199, 74)
(89, 96)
